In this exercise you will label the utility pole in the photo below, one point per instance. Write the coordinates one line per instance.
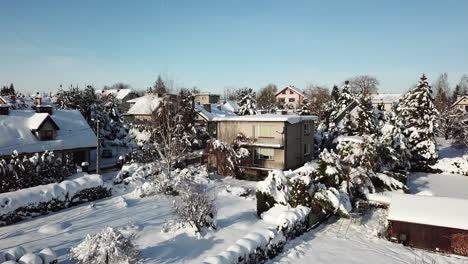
(98, 149)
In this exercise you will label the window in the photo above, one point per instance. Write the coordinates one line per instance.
(47, 135)
(264, 154)
(265, 131)
(306, 149)
(466, 108)
(281, 100)
(306, 128)
(284, 92)
(291, 92)
(292, 99)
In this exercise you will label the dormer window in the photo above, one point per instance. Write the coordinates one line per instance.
(43, 126)
(47, 135)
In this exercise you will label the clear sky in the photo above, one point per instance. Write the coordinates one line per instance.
(214, 44)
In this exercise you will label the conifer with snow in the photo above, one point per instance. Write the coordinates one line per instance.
(329, 170)
(417, 115)
(305, 108)
(246, 99)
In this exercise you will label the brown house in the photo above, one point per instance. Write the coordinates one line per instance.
(274, 141)
(429, 222)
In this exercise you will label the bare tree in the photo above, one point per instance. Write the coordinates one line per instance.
(442, 90)
(230, 93)
(318, 97)
(170, 134)
(364, 84)
(266, 98)
(449, 122)
(118, 86)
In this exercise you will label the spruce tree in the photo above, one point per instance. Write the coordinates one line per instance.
(305, 108)
(417, 115)
(366, 123)
(247, 102)
(159, 86)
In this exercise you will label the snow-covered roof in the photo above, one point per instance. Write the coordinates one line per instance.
(292, 87)
(231, 106)
(144, 105)
(36, 120)
(460, 99)
(292, 119)
(215, 111)
(385, 98)
(6, 99)
(429, 210)
(118, 93)
(15, 130)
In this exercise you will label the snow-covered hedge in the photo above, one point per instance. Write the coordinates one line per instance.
(23, 204)
(457, 165)
(263, 244)
(20, 255)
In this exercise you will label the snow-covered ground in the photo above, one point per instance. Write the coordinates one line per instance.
(445, 185)
(145, 216)
(330, 243)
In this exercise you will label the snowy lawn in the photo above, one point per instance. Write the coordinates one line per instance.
(328, 244)
(446, 185)
(145, 216)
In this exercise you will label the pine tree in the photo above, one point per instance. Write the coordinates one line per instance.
(366, 123)
(305, 108)
(247, 102)
(159, 86)
(417, 115)
(329, 170)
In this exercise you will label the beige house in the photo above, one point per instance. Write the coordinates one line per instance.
(461, 103)
(389, 101)
(207, 112)
(289, 98)
(274, 141)
(142, 108)
(206, 98)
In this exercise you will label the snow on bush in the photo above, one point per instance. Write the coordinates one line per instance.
(48, 256)
(30, 258)
(196, 208)
(456, 165)
(229, 157)
(331, 199)
(237, 191)
(274, 189)
(108, 246)
(388, 182)
(39, 200)
(14, 253)
(292, 222)
(255, 247)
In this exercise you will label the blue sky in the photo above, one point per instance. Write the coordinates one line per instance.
(217, 44)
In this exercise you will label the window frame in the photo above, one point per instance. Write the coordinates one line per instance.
(270, 157)
(292, 100)
(258, 130)
(307, 149)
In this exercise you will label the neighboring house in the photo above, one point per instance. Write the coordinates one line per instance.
(461, 103)
(289, 98)
(429, 222)
(207, 112)
(61, 131)
(274, 141)
(142, 108)
(122, 96)
(6, 100)
(389, 101)
(352, 109)
(231, 106)
(206, 98)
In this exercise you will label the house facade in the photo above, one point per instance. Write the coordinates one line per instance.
(461, 103)
(289, 98)
(206, 114)
(388, 101)
(35, 131)
(274, 141)
(206, 98)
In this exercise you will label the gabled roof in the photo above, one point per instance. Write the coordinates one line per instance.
(348, 109)
(460, 99)
(144, 105)
(385, 98)
(15, 131)
(118, 93)
(429, 210)
(5, 100)
(36, 121)
(215, 112)
(292, 88)
(231, 106)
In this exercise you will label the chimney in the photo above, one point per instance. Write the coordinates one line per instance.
(44, 109)
(207, 107)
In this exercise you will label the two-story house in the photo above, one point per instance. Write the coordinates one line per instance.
(274, 141)
(34, 131)
(206, 114)
(289, 98)
(461, 103)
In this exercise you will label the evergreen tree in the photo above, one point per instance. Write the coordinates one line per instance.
(305, 108)
(441, 86)
(159, 86)
(329, 170)
(247, 102)
(335, 94)
(417, 115)
(366, 120)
